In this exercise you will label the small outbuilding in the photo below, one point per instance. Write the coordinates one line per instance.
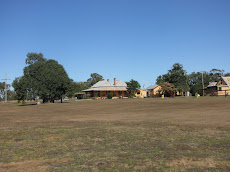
(153, 90)
(141, 94)
(223, 86)
(219, 88)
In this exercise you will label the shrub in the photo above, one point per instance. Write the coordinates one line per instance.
(131, 95)
(109, 96)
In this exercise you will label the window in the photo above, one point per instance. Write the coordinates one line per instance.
(220, 88)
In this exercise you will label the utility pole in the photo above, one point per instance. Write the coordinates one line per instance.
(6, 86)
(203, 81)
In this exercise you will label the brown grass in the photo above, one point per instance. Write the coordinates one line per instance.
(30, 165)
(194, 162)
(117, 135)
(204, 111)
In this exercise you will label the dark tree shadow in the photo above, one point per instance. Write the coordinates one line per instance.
(30, 104)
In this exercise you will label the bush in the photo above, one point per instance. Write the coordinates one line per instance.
(131, 95)
(196, 89)
(109, 96)
(158, 95)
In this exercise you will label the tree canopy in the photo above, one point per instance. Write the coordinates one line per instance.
(44, 78)
(20, 87)
(79, 86)
(34, 57)
(2, 90)
(2, 87)
(10, 94)
(177, 76)
(215, 74)
(94, 78)
(168, 89)
(193, 82)
(132, 87)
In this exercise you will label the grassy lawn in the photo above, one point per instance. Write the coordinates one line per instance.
(181, 134)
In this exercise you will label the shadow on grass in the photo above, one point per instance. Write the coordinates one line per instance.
(31, 104)
(62, 102)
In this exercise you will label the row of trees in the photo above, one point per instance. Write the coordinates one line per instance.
(48, 80)
(182, 82)
(177, 79)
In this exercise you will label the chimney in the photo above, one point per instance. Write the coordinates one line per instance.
(107, 80)
(115, 81)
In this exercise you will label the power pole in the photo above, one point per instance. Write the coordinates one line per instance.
(203, 81)
(6, 86)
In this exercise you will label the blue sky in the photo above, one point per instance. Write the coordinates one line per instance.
(126, 39)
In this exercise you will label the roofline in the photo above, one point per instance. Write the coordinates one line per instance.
(104, 90)
(152, 88)
(223, 77)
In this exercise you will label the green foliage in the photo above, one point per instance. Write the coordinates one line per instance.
(70, 89)
(162, 78)
(2, 90)
(44, 78)
(177, 76)
(34, 57)
(132, 87)
(193, 81)
(196, 89)
(10, 94)
(159, 94)
(195, 78)
(215, 74)
(131, 95)
(79, 86)
(20, 87)
(55, 81)
(168, 89)
(109, 96)
(94, 78)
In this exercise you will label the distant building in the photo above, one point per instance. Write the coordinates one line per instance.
(102, 88)
(153, 90)
(223, 86)
(211, 89)
(220, 88)
(141, 94)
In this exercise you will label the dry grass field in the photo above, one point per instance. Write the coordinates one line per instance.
(171, 134)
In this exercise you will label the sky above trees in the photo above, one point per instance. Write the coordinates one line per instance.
(126, 39)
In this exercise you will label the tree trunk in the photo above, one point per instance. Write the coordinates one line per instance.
(61, 99)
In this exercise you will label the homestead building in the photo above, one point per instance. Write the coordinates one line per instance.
(102, 88)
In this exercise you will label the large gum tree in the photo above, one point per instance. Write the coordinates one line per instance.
(43, 78)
